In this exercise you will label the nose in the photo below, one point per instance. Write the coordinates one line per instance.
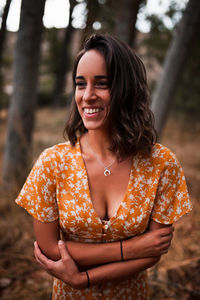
(89, 93)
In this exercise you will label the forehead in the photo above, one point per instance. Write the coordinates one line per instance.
(93, 63)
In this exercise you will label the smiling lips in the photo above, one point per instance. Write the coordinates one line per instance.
(90, 111)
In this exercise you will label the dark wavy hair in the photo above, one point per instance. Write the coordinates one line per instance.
(131, 121)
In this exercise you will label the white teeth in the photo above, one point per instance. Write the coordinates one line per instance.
(92, 110)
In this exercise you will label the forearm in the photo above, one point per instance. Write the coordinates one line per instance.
(116, 271)
(88, 255)
(93, 254)
(85, 254)
(66, 270)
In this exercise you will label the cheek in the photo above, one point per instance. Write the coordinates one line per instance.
(78, 107)
(77, 98)
(107, 97)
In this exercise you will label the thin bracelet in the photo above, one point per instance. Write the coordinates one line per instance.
(88, 278)
(121, 249)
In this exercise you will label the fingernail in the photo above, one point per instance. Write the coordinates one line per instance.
(60, 242)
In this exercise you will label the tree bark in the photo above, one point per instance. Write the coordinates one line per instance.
(63, 61)
(23, 102)
(93, 9)
(127, 11)
(3, 28)
(2, 45)
(175, 62)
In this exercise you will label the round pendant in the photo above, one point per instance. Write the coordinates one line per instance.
(107, 172)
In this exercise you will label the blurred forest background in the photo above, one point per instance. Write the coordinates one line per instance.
(35, 94)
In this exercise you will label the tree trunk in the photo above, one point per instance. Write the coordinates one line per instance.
(63, 61)
(127, 11)
(174, 63)
(23, 102)
(2, 45)
(93, 9)
(3, 29)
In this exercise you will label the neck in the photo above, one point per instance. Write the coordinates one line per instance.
(96, 147)
(100, 142)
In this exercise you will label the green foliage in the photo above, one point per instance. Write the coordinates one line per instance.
(160, 35)
(158, 39)
(175, 11)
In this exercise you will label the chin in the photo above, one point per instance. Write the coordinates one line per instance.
(94, 126)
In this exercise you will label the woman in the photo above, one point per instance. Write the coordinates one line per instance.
(110, 183)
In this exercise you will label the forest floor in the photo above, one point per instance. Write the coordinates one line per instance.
(177, 276)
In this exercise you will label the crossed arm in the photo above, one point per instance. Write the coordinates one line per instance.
(103, 261)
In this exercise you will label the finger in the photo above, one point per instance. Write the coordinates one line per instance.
(37, 253)
(63, 251)
(40, 263)
(163, 251)
(46, 264)
(166, 238)
(165, 246)
(166, 231)
(41, 258)
(36, 250)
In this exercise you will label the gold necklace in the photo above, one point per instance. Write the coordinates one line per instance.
(107, 171)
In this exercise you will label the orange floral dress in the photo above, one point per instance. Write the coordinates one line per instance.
(57, 187)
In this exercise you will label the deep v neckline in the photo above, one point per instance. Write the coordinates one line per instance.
(111, 219)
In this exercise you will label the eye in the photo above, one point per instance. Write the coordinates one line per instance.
(102, 84)
(80, 84)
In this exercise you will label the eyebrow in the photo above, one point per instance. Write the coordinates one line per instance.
(96, 77)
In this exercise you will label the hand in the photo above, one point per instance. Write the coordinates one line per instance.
(152, 243)
(64, 269)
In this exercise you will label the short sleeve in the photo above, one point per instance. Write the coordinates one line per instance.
(172, 199)
(38, 195)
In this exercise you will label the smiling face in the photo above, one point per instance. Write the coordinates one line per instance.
(92, 94)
